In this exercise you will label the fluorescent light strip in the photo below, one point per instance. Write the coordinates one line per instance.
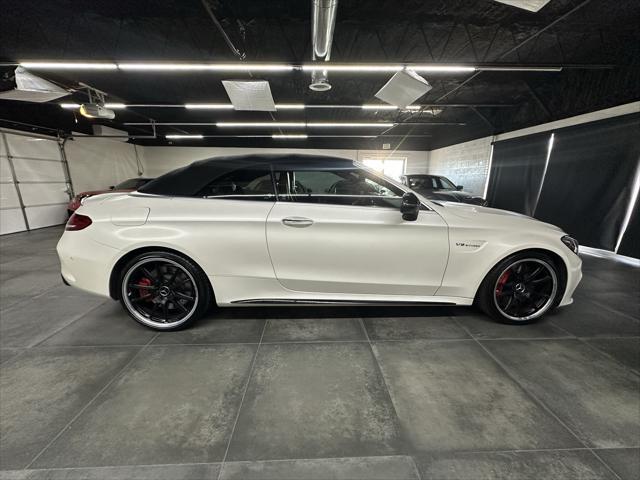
(70, 105)
(228, 106)
(115, 106)
(352, 68)
(208, 106)
(216, 67)
(290, 136)
(302, 124)
(70, 65)
(183, 137)
(282, 67)
(389, 107)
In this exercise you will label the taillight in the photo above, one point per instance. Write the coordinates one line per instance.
(78, 222)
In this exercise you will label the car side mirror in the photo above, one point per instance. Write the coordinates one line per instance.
(112, 187)
(459, 187)
(410, 207)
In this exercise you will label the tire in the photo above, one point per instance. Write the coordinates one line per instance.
(164, 291)
(521, 288)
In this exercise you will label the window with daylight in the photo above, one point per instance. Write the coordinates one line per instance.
(391, 167)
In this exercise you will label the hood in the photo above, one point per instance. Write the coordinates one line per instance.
(449, 195)
(488, 215)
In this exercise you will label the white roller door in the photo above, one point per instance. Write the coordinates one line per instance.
(33, 182)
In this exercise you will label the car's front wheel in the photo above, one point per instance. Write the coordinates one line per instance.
(164, 291)
(521, 288)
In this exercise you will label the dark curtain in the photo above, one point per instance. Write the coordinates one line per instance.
(588, 184)
(630, 245)
(516, 172)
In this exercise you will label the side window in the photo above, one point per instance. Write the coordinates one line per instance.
(242, 184)
(338, 187)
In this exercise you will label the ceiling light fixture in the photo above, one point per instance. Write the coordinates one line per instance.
(70, 105)
(216, 67)
(303, 124)
(183, 137)
(290, 136)
(115, 105)
(70, 65)
(290, 106)
(208, 106)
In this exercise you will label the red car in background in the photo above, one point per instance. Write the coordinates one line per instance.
(127, 186)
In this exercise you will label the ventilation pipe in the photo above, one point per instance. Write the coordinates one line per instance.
(323, 20)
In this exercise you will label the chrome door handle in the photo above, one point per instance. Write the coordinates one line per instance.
(298, 222)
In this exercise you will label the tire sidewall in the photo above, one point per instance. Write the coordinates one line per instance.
(485, 298)
(201, 285)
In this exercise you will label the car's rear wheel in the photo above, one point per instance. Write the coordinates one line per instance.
(164, 291)
(521, 288)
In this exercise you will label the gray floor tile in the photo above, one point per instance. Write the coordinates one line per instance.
(624, 350)
(212, 330)
(151, 472)
(30, 323)
(315, 400)
(364, 468)
(481, 326)
(7, 353)
(42, 390)
(108, 324)
(313, 329)
(450, 395)
(21, 286)
(624, 461)
(556, 465)
(587, 319)
(597, 398)
(403, 328)
(172, 405)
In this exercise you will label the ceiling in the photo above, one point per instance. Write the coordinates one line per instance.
(596, 42)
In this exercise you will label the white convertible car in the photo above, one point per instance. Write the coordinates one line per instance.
(308, 230)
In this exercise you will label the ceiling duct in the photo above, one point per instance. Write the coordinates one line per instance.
(31, 88)
(323, 21)
(531, 5)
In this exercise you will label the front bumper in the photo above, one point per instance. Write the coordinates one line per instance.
(574, 275)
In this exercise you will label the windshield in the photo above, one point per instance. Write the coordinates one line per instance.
(430, 182)
(131, 184)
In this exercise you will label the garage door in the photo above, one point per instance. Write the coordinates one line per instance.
(34, 189)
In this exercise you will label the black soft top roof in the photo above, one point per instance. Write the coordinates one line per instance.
(193, 178)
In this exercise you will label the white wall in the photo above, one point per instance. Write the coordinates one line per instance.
(97, 163)
(465, 164)
(159, 160)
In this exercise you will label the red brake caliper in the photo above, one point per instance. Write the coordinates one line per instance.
(502, 280)
(144, 293)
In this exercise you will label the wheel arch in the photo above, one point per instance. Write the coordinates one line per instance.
(114, 290)
(558, 262)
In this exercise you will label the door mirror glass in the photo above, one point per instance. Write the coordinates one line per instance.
(459, 187)
(410, 207)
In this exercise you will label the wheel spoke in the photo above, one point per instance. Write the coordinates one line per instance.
(145, 287)
(182, 295)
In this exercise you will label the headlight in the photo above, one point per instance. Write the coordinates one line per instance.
(572, 243)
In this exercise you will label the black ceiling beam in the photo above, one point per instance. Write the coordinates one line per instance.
(518, 46)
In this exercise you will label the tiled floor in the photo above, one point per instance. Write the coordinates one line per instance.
(351, 393)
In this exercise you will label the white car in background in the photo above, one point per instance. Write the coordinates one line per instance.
(308, 230)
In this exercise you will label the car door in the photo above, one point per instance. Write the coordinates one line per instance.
(338, 229)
